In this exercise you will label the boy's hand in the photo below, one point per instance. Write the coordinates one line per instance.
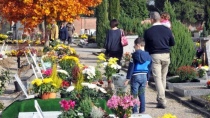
(126, 82)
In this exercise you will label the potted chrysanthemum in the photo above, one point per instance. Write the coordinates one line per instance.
(44, 87)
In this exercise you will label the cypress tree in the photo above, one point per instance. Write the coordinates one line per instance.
(101, 23)
(114, 9)
(184, 51)
(207, 15)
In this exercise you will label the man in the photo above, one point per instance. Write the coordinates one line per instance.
(54, 31)
(158, 40)
(71, 29)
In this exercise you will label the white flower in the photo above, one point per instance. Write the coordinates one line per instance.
(92, 86)
(63, 71)
(69, 89)
(85, 84)
(105, 64)
(90, 71)
(102, 90)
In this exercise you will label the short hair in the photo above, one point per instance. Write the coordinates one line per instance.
(155, 16)
(140, 41)
(114, 23)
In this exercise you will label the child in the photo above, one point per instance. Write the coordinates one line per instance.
(138, 72)
(165, 19)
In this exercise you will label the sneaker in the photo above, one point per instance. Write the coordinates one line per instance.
(161, 106)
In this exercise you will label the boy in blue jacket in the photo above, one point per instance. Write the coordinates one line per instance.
(138, 73)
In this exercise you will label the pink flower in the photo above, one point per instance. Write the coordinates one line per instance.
(71, 104)
(113, 102)
(65, 105)
(48, 72)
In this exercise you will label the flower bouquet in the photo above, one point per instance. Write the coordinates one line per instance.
(89, 73)
(122, 105)
(202, 71)
(44, 87)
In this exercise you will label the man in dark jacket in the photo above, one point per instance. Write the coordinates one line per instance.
(158, 40)
(139, 72)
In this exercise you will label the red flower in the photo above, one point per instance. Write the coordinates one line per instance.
(208, 83)
(65, 84)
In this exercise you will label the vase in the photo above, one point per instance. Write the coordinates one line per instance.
(45, 96)
(52, 95)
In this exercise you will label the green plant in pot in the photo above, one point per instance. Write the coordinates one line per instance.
(201, 73)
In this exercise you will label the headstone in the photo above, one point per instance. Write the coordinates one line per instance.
(23, 87)
(129, 47)
(208, 51)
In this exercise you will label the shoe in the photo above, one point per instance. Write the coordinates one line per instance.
(161, 106)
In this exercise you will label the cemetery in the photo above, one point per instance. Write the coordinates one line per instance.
(45, 76)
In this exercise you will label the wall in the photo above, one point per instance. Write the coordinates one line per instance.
(84, 23)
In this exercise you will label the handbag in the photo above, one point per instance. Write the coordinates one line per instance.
(124, 40)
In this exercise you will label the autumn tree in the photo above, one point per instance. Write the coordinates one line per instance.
(33, 12)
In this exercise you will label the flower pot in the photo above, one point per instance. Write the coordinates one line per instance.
(45, 96)
(52, 95)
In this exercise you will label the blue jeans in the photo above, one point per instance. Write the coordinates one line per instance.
(138, 84)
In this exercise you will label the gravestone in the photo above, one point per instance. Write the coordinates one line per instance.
(208, 50)
(129, 47)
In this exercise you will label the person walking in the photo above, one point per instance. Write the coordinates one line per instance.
(113, 44)
(158, 40)
(63, 33)
(139, 72)
(71, 29)
(54, 31)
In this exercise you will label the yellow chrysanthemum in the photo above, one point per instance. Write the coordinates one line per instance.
(38, 83)
(168, 116)
(73, 51)
(112, 61)
(54, 85)
(75, 59)
(47, 80)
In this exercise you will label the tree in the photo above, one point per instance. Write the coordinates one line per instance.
(168, 8)
(184, 51)
(114, 9)
(101, 22)
(33, 12)
(135, 8)
(207, 15)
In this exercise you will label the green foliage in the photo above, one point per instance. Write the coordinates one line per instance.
(132, 26)
(4, 78)
(135, 8)
(168, 8)
(114, 9)
(184, 51)
(207, 16)
(86, 106)
(1, 106)
(101, 23)
(186, 73)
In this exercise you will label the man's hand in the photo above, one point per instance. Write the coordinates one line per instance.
(126, 82)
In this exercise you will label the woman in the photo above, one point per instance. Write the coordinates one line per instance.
(63, 33)
(113, 44)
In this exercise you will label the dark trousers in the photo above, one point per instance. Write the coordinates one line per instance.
(69, 40)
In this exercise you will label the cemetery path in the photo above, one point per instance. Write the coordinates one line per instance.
(173, 106)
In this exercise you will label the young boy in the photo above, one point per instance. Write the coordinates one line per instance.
(138, 72)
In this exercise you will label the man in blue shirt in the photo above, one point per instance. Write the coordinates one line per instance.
(158, 40)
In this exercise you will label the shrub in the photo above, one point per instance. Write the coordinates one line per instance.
(183, 52)
(101, 23)
(186, 73)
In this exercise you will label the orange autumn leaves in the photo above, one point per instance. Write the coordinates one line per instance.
(33, 12)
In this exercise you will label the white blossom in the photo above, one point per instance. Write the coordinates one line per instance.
(69, 89)
(63, 71)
